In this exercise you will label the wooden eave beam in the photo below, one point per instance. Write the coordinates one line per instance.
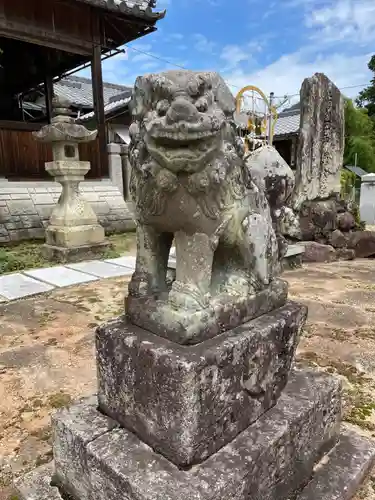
(31, 34)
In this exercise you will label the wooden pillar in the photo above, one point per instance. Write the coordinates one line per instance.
(295, 150)
(98, 96)
(48, 92)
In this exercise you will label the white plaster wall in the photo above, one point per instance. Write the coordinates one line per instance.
(367, 201)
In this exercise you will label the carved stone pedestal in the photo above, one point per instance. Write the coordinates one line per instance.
(73, 233)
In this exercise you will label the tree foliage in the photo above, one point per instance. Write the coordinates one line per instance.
(347, 182)
(359, 137)
(366, 98)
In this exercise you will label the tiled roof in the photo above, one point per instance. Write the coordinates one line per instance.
(288, 123)
(115, 103)
(136, 8)
(78, 91)
(358, 171)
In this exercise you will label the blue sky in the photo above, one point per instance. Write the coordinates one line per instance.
(268, 43)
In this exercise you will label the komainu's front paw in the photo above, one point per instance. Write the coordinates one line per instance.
(188, 297)
(139, 286)
(237, 286)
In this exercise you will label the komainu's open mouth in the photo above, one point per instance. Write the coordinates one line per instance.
(180, 143)
(182, 137)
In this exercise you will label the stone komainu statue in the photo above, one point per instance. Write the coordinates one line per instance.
(190, 182)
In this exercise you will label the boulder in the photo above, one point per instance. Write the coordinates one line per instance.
(363, 243)
(346, 221)
(316, 252)
(338, 239)
(318, 219)
(345, 254)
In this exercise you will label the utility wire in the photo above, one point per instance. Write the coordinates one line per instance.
(170, 63)
(289, 96)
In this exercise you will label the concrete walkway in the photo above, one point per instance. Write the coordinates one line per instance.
(34, 281)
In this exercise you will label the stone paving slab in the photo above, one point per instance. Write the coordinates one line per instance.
(296, 249)
(127, 261)
(60, 276)
(15, 286)
(100, 269)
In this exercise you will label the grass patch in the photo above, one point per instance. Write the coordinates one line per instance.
(28, 255)
(121, 244)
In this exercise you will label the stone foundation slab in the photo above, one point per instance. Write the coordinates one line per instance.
(342, 472)
(188, 402)
(339, 477)
(187, 328)
(75, 254)
(274, 458)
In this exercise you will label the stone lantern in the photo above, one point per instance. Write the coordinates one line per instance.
(73, 232)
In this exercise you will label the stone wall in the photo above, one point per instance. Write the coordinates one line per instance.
(25, 207)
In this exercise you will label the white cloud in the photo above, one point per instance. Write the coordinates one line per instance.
(285, 76)
(202, 44)
(140, 57)
(233, 55)
(175, 36)
(344, 21)
(150, 65)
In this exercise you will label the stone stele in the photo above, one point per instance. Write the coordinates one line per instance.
(321, 142)
(197, 397)
(73, 232)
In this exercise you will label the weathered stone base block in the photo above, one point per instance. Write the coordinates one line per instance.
(188, 402)
(76, 236)
(75, 254)
(274, 458)
(225, 313)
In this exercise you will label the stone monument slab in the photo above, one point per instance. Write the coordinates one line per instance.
(321, 142)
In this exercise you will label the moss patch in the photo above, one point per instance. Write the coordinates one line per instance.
(59, 400)
(358, 401)
(28, 255)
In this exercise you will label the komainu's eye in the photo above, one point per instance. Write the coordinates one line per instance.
(202, 105)
(162, 107)
(193, 88)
